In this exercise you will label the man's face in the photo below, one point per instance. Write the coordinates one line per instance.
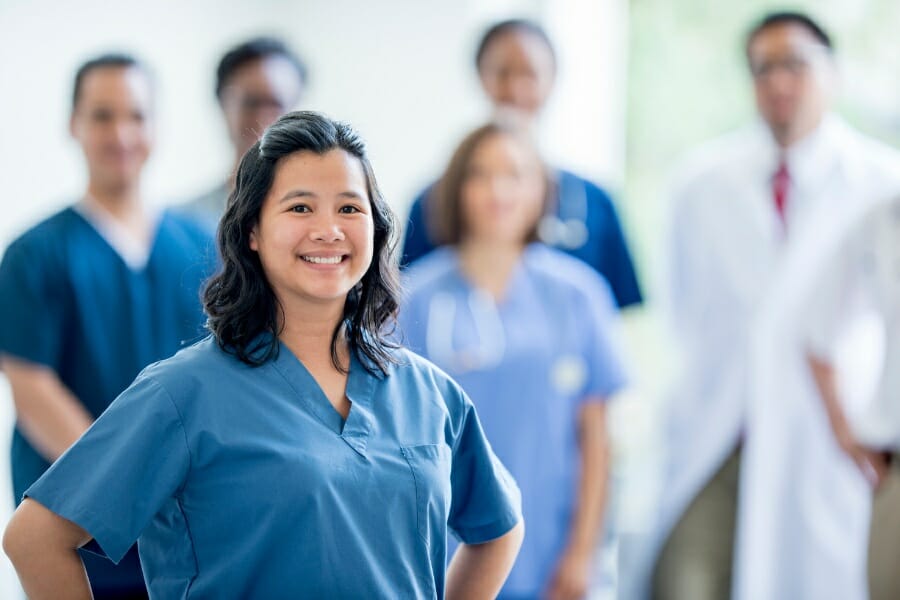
(255, 95)
(112, 123)
(793, 75)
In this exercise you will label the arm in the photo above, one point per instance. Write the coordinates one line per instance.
(479, 570)
(48, 414)
(573, 570)
(42, 547)
(872, 464)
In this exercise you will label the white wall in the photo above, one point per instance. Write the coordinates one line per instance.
(399, 70)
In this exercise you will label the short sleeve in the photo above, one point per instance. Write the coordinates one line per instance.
(32, 306)
(486, 500)
(606, 370)
(121, 472)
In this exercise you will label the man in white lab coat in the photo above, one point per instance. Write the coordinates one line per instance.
(741, 206)
(839, 310)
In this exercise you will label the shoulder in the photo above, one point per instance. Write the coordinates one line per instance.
(191, 227)
(413, 370)
(717, 158)
(554, 267)
(185, 373)
(430, 270)
(876, 164)
(566, 178)
(44, 240)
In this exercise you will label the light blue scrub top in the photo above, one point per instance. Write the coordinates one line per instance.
(555, 329)
(243, 482)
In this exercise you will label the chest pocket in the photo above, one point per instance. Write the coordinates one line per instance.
(430, 466)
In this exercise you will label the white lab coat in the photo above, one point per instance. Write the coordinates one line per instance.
(804, 527)
(727, 250)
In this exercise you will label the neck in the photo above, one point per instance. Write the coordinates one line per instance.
(308, 330)
(787, 136)
(123, 202)
(489, 264)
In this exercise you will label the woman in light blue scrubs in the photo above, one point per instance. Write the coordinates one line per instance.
(529, 333)
(295, 452)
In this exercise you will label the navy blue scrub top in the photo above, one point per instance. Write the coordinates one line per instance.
(69, 302)
(605, 248)
(244, 482)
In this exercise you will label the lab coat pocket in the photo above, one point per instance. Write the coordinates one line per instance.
(430, 466)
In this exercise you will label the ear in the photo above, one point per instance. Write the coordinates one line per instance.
(254, 244)
(72, 127)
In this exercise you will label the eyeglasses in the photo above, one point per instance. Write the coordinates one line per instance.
(794, 65)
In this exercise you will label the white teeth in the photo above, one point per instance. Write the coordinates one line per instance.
(323, 260)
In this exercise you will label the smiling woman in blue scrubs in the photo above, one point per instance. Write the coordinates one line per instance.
(528, 332)
(296, 452)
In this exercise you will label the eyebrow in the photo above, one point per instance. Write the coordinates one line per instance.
(349, 194)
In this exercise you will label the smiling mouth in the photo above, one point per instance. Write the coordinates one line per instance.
(324, 260)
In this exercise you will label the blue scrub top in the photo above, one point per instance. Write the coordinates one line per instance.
(244, 482)
(605, 249)
(68, 301)
(528, 367)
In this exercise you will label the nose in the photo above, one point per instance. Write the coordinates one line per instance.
(326, 228)
(124, 133)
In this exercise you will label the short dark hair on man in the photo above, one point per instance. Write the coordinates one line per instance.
(511, 26)
(251, 50)
(112, 59)
(789, 18)
(239, 300)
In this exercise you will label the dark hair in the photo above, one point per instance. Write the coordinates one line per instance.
(445, 217)
(239, 300)
(103, 61)
(512, 26)
(788, 18)
(251, 50)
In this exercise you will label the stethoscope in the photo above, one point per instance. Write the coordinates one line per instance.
(568, 229)
(568, 371)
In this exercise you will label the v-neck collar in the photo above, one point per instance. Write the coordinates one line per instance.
(360, 383)
(133, 252)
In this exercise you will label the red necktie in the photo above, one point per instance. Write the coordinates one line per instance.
(780, 183)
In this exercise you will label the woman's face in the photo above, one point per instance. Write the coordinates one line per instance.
(503, 191)
(315, 233)
(517, 73)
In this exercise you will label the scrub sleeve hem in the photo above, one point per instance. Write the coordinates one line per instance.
(490, 531)
(108, 541)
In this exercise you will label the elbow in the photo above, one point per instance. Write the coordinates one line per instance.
(14, 539)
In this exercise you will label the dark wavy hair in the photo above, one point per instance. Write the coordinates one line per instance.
(240, 302)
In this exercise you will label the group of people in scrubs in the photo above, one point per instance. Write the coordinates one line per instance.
(281, 412)
(281, 417)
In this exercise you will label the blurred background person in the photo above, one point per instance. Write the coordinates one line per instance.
(863, 269)
(99, 290)
(832, 320)
(516, 65)
(739, 207)
(257, 81)
(529, 333)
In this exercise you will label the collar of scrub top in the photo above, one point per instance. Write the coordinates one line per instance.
(354, 431)
(134, 252)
